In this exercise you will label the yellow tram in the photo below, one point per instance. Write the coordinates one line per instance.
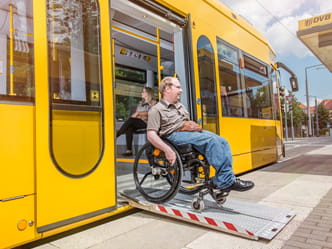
(70, 71)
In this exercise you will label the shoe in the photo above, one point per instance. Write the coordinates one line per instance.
(240, 185)
(128, 153)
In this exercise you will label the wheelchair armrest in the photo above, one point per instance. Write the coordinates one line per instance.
(183, 148)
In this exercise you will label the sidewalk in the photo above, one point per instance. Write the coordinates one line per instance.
(315, 232)
(302, 184)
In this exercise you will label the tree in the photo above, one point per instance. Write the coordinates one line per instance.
(299, 115)
(323, 118)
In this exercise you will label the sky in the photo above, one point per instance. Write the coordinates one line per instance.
(278, 22)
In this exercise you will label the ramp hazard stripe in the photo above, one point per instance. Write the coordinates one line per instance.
(249, 220)
(203, 219)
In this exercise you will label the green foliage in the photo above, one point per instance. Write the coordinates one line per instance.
(299, 116)
(125, 105)
(323, 116)
(121, 111)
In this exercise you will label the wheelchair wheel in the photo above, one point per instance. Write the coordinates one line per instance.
(155, 178)
(195, 177)
(198, 204)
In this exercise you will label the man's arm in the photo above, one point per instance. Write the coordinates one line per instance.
(160, 144)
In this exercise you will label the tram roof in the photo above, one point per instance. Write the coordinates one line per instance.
(316, 33)
(240, 20)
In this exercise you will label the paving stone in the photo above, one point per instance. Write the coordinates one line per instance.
(316, 229)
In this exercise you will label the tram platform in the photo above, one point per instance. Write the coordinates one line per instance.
(301, 183)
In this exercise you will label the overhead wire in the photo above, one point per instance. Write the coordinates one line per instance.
(276, 18)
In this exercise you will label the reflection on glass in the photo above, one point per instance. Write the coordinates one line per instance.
(16, 54)
(230, 84)
(74, 51)
(258, 89)
(207, 84)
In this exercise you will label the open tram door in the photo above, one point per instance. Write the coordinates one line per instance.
(149, 43)
(75, 179)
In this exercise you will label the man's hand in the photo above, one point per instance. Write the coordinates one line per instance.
(158, 143)
(170, 156)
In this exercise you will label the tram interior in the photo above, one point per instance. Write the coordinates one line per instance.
(134, 35)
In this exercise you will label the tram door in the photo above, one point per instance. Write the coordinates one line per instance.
(147, 47)
(74, 148)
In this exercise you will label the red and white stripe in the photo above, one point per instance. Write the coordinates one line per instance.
(204, 219)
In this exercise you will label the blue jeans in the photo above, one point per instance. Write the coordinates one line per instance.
(215, 148)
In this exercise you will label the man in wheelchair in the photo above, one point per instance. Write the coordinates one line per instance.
(169, 119)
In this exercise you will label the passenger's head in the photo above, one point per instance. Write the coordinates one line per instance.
(147, 93)
(165, 82)
(170, 89)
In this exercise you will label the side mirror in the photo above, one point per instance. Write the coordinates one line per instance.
(292, 79)
(294, 84)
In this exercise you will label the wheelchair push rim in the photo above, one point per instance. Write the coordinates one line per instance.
(155, 178)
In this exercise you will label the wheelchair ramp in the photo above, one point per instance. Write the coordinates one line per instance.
(240, 218)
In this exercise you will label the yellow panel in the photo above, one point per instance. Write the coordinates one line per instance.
(242, 163)
(17, 150)
(261, 158)
(262, 136)
(253, 142)
(15, 215)
(76, 140)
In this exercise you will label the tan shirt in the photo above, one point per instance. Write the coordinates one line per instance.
(165, 118)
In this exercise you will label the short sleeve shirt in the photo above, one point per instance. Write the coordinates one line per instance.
(165, 118)
(143, 106)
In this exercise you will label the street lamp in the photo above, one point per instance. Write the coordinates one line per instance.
(307, 95)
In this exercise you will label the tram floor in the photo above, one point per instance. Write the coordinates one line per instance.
(124, 173)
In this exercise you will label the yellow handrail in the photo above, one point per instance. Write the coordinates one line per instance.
(160, 67)
(11, 51)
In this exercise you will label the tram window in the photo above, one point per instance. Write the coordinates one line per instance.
(129, 84)
(258, 89)
(275, 101)
(16, 54)
(207, 83)
(74, 52)
(230, 83)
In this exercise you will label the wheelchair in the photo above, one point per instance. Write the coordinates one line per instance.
(158, 181)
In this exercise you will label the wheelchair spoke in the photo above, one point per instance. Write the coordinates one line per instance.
(144, 177)
(156, 179)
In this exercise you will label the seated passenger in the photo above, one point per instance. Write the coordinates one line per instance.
(138, 119)
(169, 119)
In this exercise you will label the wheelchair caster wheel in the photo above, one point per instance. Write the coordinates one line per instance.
(221, 201)
(197, 204)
